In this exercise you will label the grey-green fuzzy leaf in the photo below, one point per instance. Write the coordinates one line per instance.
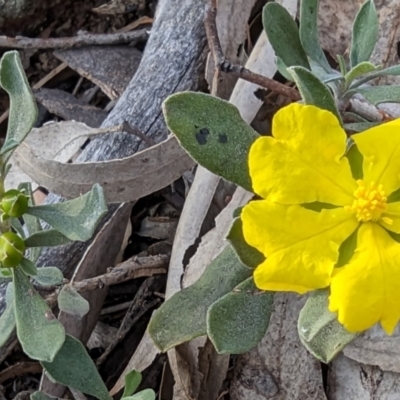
(71, 302)
(47, 238)
(248, 255)
(239, 320)
(364, 33)
(76, 219)
(309, 33)
(7, 324)
(23, 110)
(73, 367)
(212, 131)
(319, 330)
(49, 276)
(39, 332)
(283, 35)
(147, 394)
(313, 91)
(183, 316)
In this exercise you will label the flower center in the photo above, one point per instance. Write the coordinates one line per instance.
(369, 203)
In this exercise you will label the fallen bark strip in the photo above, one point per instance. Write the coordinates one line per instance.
(86, 39)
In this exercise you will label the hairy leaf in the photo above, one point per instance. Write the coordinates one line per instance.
(47, 238)
(39, 332)
(76, 219)
(283, 35)
(183, 316)
(23, 110)
(73, 367)
(212, 131)
(132, 382)
(49, 276)
(319, 330)
(71, 302)
(364, 33)
(239, 320)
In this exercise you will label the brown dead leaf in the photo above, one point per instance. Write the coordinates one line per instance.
(123, 180)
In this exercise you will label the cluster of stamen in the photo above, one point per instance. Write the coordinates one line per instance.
(370, 202)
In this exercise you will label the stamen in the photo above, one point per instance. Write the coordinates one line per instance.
(369, 203)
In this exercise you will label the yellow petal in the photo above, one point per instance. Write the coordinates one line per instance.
(304, 160)
(380, 147)
(367, 290)
(301, 246)
(390, 219)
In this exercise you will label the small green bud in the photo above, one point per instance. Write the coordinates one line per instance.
(12, 248)
(14, 203)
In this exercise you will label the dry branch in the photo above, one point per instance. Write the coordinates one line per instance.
(85, 39)
(225, 65)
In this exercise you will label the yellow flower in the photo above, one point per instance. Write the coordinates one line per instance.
(306, 162)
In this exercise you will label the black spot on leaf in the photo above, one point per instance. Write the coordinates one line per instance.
(222, 138)
(201, 136)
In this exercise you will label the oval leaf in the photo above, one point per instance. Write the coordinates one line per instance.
(313, 91)
(76, 219)
(319, 330)
(28, 267)
(283, 34)
(212, 131)
(309, 33)
(364, 33)
(39, 332)
(23, 110)
(71, 302)
(49, 276)
(132, 382)
(248, 255)
(47, 238)
(358, 70)
(239, 320)
(73, 367)
(183, 316)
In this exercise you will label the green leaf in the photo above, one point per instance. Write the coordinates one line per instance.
(147, 394)
(283, 35)
(239, 320)
(309, 33)
(17, 226)
(342, 65)
(76, 219)
(319, 330)
(23, 110)
(47, 238)
(248, 255)
(28, 267)
(347, 249)
(378, 94)
(49, 276)
(394, 70)
(5, 273)
(71, 302)
(39, 332)
(313, 91)
(132, 382)
(43, 396)
(183, 316)
(212, 131)
(73, 367)
(355, 160)
(360, 69)
(364, 33)
(280, 65)
(7, 323)
(360, 126)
